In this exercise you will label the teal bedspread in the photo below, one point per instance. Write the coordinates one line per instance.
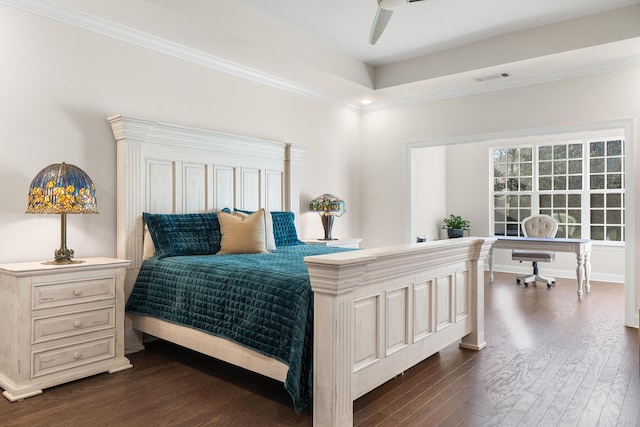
(261, 301)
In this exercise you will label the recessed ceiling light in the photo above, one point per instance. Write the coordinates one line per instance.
(366, 101)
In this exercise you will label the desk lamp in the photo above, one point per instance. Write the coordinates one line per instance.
(62, 188)
(327, 205)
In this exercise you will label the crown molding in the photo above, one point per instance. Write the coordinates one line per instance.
(511, 83)
(126, 34)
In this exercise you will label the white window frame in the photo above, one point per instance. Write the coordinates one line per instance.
(585, 192)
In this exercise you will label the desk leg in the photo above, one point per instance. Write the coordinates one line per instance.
(491, 265)
(580, 272)
(587, 270)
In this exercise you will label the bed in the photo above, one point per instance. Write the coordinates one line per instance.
(376, 312)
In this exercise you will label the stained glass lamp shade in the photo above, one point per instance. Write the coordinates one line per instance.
(62, 188)
(328, 205)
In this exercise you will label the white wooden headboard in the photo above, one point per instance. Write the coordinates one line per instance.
(167, 168)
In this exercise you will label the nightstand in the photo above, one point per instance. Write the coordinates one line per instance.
(60, 323)
(342, 243)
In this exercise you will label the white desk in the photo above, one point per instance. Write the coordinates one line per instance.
(581, 247)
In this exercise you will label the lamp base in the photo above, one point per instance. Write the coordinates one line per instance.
(63, 255)
(327, 224)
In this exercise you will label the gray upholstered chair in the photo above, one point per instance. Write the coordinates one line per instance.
(536, 226)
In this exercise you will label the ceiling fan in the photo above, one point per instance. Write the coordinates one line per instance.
(385, 10)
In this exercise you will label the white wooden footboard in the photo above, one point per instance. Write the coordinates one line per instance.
(380, 311)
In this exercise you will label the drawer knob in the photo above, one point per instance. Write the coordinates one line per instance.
(77, 323)
(76, 355)
(77, 292)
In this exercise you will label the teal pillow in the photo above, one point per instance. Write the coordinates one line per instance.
(284, 228)
(184, 234)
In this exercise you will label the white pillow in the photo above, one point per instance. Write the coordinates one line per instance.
(242, 235)
(268, 227)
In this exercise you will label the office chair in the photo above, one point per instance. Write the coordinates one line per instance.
(536, 226)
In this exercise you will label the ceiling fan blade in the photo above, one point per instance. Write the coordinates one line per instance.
(379, 24)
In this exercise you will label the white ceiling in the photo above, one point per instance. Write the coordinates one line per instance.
(423, 27)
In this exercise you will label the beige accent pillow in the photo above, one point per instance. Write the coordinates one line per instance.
(268, 227)
(242, 235)
(148, 250)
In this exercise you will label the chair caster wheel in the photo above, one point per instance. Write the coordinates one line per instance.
(549, 285)
(526, 285)
(518, 281)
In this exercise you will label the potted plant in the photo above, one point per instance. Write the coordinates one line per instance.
(455, 225)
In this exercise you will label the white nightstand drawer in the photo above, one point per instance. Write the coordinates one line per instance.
(47, 295)
(71, 324)
(68, 357)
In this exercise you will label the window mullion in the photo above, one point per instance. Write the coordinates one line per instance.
(586, 193)
(580, 183)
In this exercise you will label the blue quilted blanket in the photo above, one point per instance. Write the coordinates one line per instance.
(261, 301)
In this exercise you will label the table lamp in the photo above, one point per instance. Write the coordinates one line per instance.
(327, 205)
(62, 188)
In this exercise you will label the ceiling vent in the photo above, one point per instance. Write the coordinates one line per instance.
(491, 77)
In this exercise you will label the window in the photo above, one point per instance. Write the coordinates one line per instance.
(579, 183)
(606, 181)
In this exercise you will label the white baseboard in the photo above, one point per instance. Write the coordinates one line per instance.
(565, 274)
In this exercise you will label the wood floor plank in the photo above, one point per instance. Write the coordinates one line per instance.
(515, 383)
(399, 390)
(458, 416)
(630, 409)
(592, 372)
(415, 388)
(531, 402)
(602, 389)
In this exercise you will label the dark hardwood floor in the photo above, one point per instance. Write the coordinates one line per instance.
(550, 360)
